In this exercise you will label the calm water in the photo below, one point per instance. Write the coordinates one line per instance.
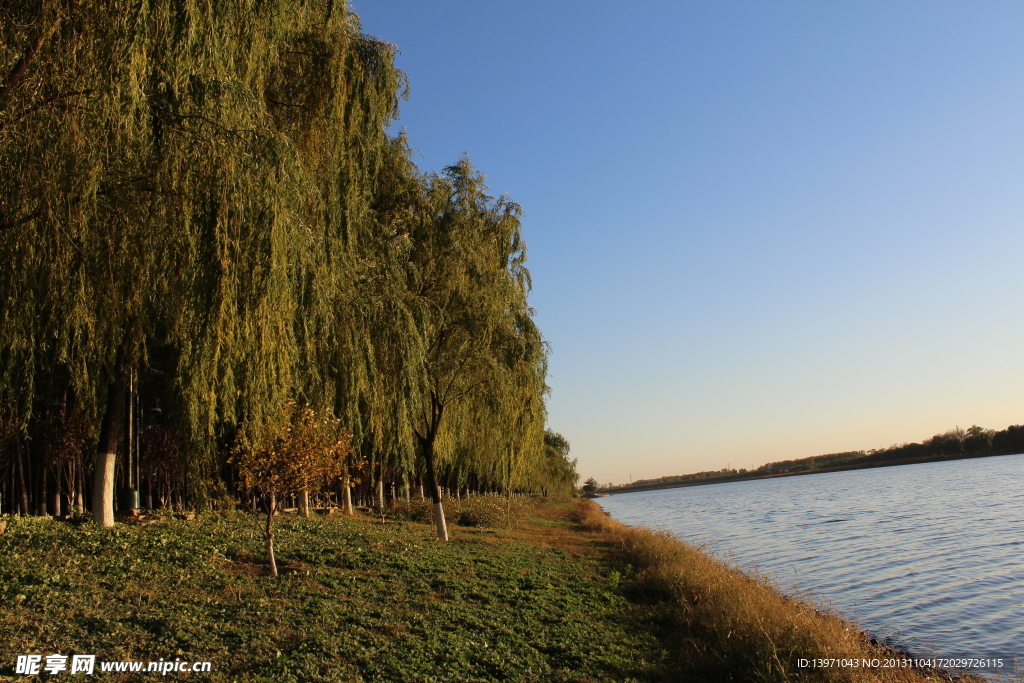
(930, 556)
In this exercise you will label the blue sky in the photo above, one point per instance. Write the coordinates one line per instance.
(757, 230)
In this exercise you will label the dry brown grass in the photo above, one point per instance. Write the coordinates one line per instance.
(729, 626)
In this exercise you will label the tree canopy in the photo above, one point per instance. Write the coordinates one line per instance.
(201, 203)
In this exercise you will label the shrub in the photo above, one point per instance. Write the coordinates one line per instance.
(475, 511)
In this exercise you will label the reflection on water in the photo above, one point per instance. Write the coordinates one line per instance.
(929, 555)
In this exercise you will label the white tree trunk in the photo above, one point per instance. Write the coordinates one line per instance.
(103, 490)
(79, 489)
(269, 532)
(106, 458)
(304, 504)
(442, 527)
(348, 495)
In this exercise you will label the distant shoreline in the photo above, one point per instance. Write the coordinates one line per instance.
(628, 488)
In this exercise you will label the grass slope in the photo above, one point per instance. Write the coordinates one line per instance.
(358, 601)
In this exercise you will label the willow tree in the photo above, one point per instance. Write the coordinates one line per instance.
(376, 354)
(484, 357)
(558, 476)
(187, 176)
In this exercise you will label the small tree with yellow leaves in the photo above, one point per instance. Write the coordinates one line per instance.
(297, 454)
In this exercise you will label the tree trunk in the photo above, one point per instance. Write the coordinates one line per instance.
(106, 457)
(72, 486)
(57, 495)
(21, 481)
(348, 495)
(44, 490)
(427, 445)
(271, 508)
(380, 494)
(80, 486)
(304, 504)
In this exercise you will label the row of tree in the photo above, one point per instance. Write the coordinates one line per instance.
(204, 221)
(954, 443)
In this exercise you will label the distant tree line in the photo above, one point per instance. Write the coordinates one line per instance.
(204, 220)
(955, 443)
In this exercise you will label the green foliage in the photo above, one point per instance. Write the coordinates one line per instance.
(357, 601)
(207, 193)
(482, 407)
(195, 178)
(559, 473)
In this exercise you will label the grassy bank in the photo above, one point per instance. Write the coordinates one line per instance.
(565, 594)
(724, 625)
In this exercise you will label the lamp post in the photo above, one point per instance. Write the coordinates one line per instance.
(128, 498)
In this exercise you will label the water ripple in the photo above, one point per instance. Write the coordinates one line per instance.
(928, 553)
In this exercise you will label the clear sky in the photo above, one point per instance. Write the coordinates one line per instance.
(757, 230)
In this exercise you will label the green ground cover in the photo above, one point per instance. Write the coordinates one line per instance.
(358, 600)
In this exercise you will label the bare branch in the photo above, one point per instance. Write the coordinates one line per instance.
(28, 110)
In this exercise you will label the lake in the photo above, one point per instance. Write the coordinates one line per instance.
(929, 556)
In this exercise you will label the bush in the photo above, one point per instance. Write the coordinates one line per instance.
(415, 510)
(475, 511)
